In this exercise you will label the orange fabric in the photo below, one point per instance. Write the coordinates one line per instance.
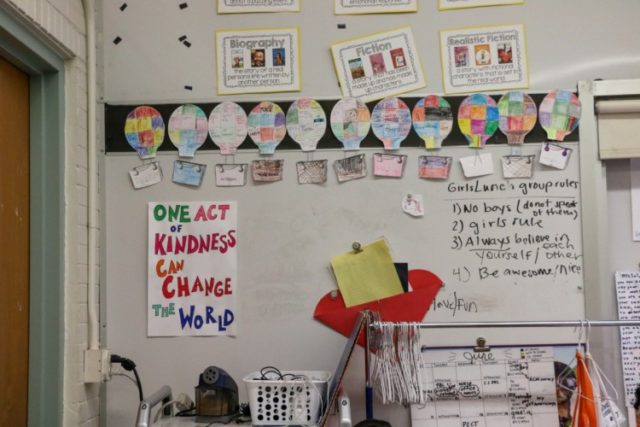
(584, 414)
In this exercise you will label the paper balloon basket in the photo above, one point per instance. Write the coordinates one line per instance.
(297, 399)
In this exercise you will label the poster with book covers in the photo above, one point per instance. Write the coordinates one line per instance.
(355, 7)
(379, 65)
(258, 61)
(483, 59)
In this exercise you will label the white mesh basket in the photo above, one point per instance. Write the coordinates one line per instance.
(287, 401)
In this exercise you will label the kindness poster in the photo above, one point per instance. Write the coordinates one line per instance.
(483, 59)
(192, 269)
(258, 61)
(379, 65)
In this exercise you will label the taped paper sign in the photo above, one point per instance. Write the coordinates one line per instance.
(379, 65)
(483, 59)
(462, 4)
(258, 61)
(258, 6)
(478, 165)
(354, 7)
(192, 269)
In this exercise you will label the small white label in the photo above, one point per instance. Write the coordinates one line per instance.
(146, 175)
(478, 165)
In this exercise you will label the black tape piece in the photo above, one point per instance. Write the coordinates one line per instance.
(117, 40)
(123, 7)
(183, 5)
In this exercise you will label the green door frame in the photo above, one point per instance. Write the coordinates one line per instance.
(46, 329)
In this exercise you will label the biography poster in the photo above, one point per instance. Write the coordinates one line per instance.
(462, 4)
(379, 65)
(258, 61)
(481, 59)
(257, 6)
(354, 7)
(192, 269)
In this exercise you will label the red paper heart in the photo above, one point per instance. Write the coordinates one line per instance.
(407, 307)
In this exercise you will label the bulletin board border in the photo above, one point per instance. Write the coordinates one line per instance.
(116, 116)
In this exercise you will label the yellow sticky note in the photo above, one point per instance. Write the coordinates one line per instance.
(366, 276)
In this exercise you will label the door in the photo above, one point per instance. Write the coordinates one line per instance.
(14, 244)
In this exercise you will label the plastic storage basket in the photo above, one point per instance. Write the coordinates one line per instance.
(287, 401)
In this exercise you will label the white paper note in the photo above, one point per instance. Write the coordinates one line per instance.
(477, 165)
(628, 292)
(634, 172)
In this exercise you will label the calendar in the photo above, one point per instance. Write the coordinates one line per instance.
(504, 387)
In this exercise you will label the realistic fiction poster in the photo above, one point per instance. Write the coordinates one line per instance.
(353, 7)
(192, 269)
(378, 65)
(258, 6)
(461, 4)
(255, 61)
(481, 59)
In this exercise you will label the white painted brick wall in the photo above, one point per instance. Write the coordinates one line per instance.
(61, 23)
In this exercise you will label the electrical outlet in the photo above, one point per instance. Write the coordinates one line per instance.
(97, 366)
(105, 365)
(92, 362)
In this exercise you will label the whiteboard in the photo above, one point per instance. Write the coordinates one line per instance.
(287, 234)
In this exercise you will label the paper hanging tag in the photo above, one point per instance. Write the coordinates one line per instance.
(188, 173)
(228, 175)
(611, 414)
(354, 167)
(146, 175)
(267, 170)
(434, 167)
(477, 165)
(389, 165)
(312, 172)
(517, 166)
(412, 204)
(554, 155)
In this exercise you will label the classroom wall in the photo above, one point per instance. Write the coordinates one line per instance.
(151, 66)
(61, 24)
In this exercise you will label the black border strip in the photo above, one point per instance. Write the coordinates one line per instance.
(116, 116)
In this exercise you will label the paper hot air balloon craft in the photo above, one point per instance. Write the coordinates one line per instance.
(267, 126)
(478, 119)
(350, 122)
(188, 129)
(228, 126)
(144, 130)
(559, 114)
(306, 123)
(518, 115)
(432, 120)
(391, 122)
